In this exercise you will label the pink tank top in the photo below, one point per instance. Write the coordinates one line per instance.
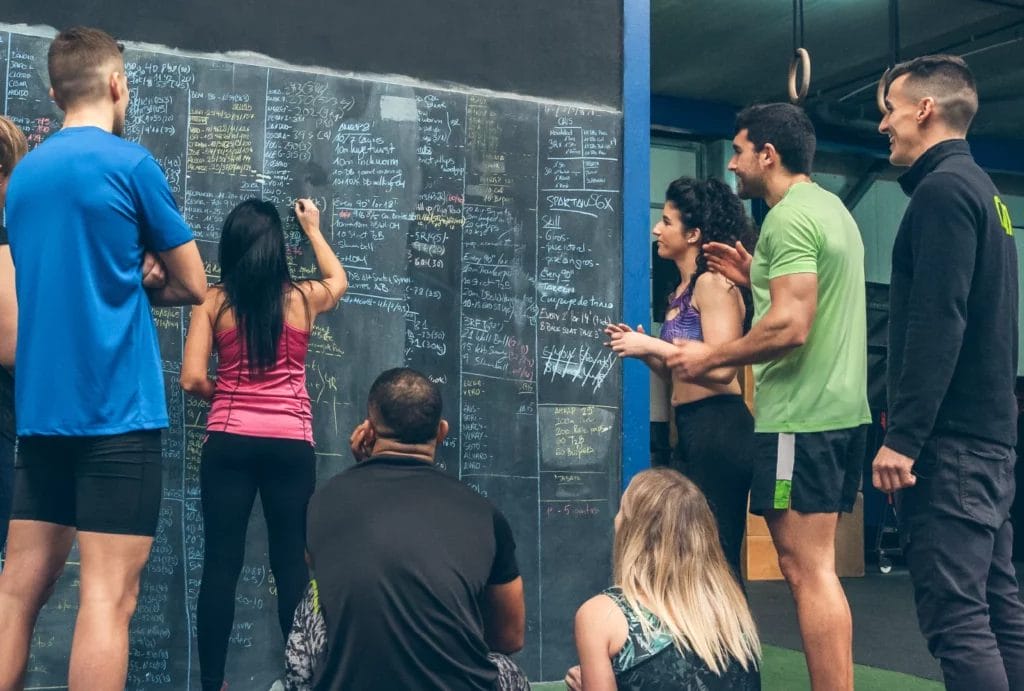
(267, 404)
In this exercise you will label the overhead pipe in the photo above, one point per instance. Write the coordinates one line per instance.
(949, 48)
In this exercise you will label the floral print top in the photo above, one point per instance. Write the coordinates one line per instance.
(655, 664)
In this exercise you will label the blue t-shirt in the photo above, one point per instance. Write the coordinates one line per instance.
(81, 210)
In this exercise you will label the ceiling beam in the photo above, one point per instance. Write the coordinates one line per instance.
(1003, 3)
(958, 40)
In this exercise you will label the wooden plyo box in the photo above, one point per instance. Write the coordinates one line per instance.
(761, 561)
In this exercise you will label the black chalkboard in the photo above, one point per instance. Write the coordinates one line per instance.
(503, 46)
(482, 238)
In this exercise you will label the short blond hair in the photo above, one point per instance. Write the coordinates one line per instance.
(13, 146)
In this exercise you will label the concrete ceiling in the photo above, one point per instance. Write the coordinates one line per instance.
(738, 52)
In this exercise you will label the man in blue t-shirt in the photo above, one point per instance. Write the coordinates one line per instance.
(84, 210)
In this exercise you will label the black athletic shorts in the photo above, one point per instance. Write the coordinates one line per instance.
(810, 472)
(104, 484)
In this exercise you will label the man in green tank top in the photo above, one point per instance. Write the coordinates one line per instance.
(808, 346)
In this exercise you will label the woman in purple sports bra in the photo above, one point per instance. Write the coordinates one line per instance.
(259, 431)
(714, 427)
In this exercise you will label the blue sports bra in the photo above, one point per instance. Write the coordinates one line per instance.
(686, 323)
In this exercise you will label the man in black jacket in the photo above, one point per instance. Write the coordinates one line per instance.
(949, 447)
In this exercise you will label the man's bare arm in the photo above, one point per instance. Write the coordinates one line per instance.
(783, 328)
(504, 610)
(186, 277)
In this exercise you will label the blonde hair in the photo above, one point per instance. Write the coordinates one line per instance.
(668, 559)
(12, 146)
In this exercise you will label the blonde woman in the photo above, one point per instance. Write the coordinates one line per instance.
(675, 618)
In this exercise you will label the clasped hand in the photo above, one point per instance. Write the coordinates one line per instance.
(625, 342)
(154, 273)
(690, 359)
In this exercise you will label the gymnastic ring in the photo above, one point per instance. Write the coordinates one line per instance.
(880, 92)
(802, 59)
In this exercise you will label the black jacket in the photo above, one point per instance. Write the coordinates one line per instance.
(953, 306)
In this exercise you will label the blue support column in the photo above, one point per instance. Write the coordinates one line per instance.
(636, 247)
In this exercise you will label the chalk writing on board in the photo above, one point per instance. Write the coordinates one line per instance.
(481, 236)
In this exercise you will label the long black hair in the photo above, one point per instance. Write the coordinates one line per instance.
(714, 208)
(254, 273)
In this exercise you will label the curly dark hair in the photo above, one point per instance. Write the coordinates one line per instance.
(714, 208)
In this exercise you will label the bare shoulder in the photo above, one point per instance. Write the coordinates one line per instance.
(601, 623)
(713, 288)
(709, 281)
(297, 297)
(305, 285)
(214, 299)
(297, 291)
(718, 298)
(599, 609)
(213, 303)
(300, 292)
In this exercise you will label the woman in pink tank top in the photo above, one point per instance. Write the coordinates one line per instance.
(259, 429)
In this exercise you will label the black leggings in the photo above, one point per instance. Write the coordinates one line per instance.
(233, 469)
(714, 450)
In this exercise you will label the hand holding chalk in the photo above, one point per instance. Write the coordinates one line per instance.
(308, 215)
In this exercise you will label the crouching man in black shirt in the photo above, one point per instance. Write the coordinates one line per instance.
(949, 446)
(416, 573)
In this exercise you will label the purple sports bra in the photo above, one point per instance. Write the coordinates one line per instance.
(686, 323)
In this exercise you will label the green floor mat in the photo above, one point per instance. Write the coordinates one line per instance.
(785, 670)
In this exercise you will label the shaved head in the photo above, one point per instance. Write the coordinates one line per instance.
(945, 79)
